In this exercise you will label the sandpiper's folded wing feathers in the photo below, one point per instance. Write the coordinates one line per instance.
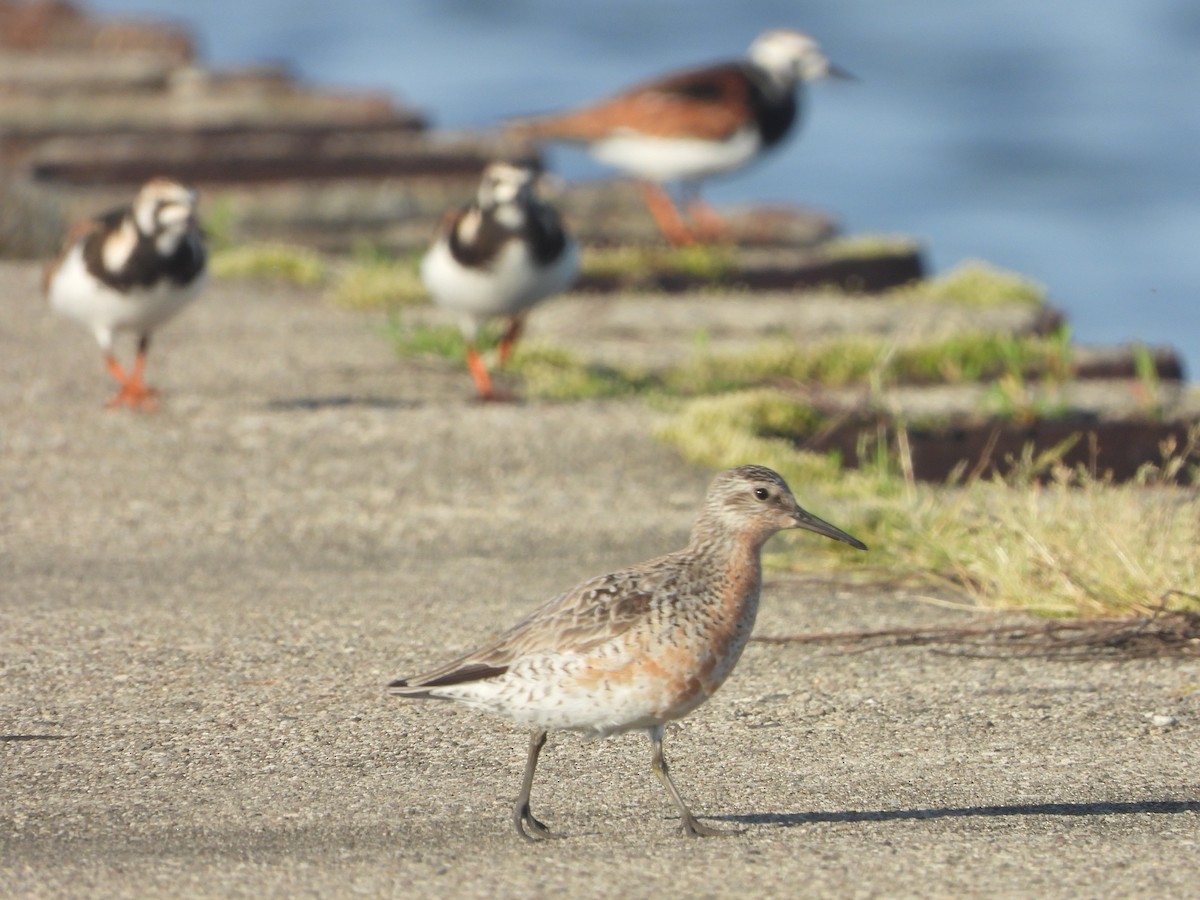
(591, 614)
(709, 104)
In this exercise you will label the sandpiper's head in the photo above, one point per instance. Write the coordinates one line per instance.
(164, 210)
(756, 500)
(791, 56)
(505, 183)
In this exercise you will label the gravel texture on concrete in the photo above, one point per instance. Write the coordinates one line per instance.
(200, 608)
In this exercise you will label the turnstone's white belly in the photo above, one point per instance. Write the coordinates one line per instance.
(511, 282)
(669, 159)
(78, 294)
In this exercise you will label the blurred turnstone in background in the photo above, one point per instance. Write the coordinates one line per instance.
(692, 125)
(498, 257)
(130, 270)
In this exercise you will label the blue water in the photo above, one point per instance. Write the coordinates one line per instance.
(1059, 139)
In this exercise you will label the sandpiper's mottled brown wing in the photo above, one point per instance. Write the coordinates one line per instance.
(576, 621)
(710, 104)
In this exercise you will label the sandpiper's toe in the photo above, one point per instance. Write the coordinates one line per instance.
(537, 831)
(694, 828)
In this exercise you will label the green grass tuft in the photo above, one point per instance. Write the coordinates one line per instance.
(377, 281)
(1075, 545)
(977, 284)
(630, 263)
(860, 246)
(860, 359)
(425, 340)
(285, 263)
(551, 373)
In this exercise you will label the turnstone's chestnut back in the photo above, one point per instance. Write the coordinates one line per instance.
(130, 270)
(638, 648)
(497, 257)
(691, 125)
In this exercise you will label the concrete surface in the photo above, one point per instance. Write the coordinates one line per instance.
(199, 611)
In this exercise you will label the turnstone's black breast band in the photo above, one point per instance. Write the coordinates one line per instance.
(544, 232)
(484, 247)
(774, 111)
(145, 267)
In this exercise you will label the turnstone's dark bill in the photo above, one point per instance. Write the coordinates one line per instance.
(130, 270)
(691, 125)
(498, 257)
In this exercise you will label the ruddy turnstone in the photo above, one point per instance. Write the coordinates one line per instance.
(497, 257)
(130, 270)
(692, 125)
(637, 648)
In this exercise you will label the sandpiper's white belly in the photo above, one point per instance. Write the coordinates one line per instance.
(513, 281)
(76, 293)
(542, 692)
(671, 159)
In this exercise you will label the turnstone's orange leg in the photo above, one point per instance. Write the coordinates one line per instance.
(522, 817)
(115, 369)
(134, 393)
(515, 326)
(479, 372)
(658, 764)
(707, 224)
(483, 380)
(670, 223)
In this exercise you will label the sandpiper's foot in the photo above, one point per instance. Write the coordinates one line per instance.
(523, 819)
(693, 828)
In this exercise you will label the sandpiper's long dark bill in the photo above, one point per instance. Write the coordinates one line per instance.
(806, 520)
(637, 648)
(691, 125)
(130, 270)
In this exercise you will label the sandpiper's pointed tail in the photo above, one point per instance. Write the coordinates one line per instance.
(420, 686)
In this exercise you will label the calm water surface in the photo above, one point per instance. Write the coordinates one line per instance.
(1060, 139)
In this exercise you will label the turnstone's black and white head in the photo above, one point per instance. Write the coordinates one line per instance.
(497, 257)
(130, 270)
(691, 125)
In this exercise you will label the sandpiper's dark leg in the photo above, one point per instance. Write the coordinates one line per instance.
(690, 826)
(522, 817)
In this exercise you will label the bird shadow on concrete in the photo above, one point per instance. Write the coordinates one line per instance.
(787, 820)
(13, 738)
(337, 401)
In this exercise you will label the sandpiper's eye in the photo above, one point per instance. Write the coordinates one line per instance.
(762, 493)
